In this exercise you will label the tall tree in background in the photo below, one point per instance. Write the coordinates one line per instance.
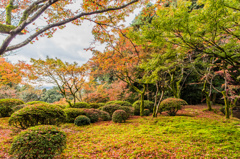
(20, 16)
(69, 78)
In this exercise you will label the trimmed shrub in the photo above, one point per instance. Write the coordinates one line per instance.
(121, 103)
(82, 120)
(18, 107)
(6, 106)
(45, 141)
(81, 105)
(172, 105)
(127, 109)
(110, 108)
(92, 115)
(72, 113)
(59, 105)
(39, 114)
(119, 116)
(36, 102)
(146, 112)
(94, 105)
(147, 105)
(102, 114)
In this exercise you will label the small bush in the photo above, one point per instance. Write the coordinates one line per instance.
(36, 102)
(81, 120)
(146, 112)
(43, 141)
(103, 115)
(6, 106)
(92, 115)
(119, 116)
(39, 114)
(94, 105)
(172, 105)
(127, 109)
(147, 105)
(81, 105)
(72, 113)
(110, 108)
(121, 103)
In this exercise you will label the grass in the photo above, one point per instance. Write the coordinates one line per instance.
(205, 135)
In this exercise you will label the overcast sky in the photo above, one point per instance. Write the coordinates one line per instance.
(67, 44)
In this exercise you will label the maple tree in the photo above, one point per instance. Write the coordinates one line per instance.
(69, 78)
(21, 16)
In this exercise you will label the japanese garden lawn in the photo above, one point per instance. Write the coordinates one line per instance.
(194, 134)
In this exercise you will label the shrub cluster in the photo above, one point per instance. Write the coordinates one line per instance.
(81, 105)
(18, 107)
(81, 120)
(147, 105)
(102, 114)
(119, 116)
(36, 102)
(94, 105)
(172, 105)
(146, 112)
(92, 115)
(39, 114)
(6, 106)
(44, 141)
(121, 103)
(113, 107)
(72, 113)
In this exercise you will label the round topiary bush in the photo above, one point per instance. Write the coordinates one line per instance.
(102, 114)
(172, 105)
(82, 120)
(127, 109)
(119, 116)
(121, 103)
(110, 108)
(6, 106)
(81, 105)
(147, 105)
(72, 113)
(44, 141)
(94, 105)
(36, 102)
(39, 114)
(146, 112)
(92, 115)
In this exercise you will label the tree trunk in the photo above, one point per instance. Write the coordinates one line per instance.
(159, 102)
(226, 101)
(155, 102)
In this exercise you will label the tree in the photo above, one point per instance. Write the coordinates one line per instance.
(69, 78)
(21, 16)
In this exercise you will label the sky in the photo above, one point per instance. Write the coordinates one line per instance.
(67, 44)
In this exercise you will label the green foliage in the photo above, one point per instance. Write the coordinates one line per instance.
(18, 107)
(119, 116)
(101, 104)
(95, 105)
(102, 114)
(110, 108)
(6, 106)
(127, 109)
(51, 95)
(82, 120)
(38, 114)
(72, 113)
(60, 105)
(172, 105)
(121, 103)
(36, 102)
(92, 115)
(147, 105)
(146, 112)
(43, 141)
(81, 105)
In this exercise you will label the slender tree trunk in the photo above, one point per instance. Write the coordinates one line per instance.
(155, 102)
(226, 101)
(159, 102)
(206, 93)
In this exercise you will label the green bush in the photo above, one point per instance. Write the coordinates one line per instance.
(146, 112)
(72, 113)
(119, 116)
(101, 104)
(36, 102)
(6, 106)
(127, 109)
(18, 107)
(39, 114)
(110, 108)
(121, 103)
(172, 105)
(103, 115)
(81, 105)
(92, 115)
(147, 105)
(59, 105)
(44, 141)
(94, 105)
(82, 120)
